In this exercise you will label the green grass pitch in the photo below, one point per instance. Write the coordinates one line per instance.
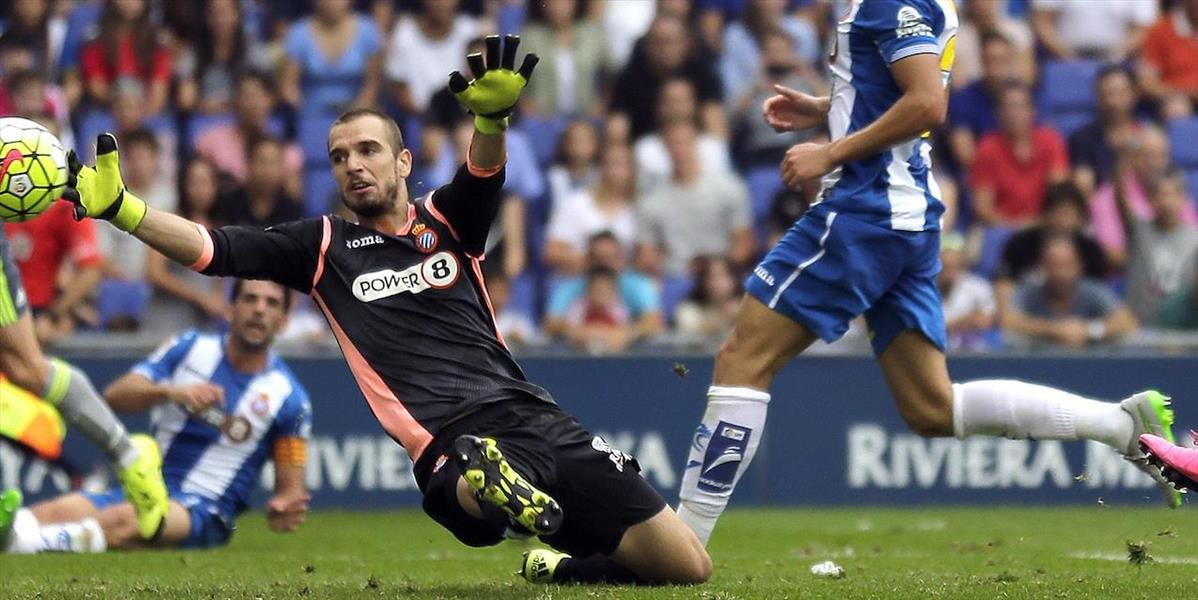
(1025, 552)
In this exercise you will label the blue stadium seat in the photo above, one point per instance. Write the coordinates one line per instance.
(673, 291)
(198, 123)
(320, 191)
(763, 184)
(994, 239)
(1068, 122)
(1067, 86)
(1191, 176)
(122, 299)
(1183, 134)
(544, 133)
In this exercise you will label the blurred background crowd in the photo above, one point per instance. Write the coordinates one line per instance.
(642, 183)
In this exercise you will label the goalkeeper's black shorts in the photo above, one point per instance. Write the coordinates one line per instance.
(599, 488)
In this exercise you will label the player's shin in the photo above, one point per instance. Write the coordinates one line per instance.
(1017, 409)
(723, 447)
(83, 408)
(78, 536)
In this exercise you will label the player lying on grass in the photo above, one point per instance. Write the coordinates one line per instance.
(135, 459)
(870, 245)
(402, 290)
(1178, 465)
(220, 406)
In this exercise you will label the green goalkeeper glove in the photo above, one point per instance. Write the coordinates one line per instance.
(492, 95)
(100, 192)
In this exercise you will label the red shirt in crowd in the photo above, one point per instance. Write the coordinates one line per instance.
(95, 63)
(1171, 49)
(1019, 186)
(40, 246)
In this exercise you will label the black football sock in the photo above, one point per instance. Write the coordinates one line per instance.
(594, 569)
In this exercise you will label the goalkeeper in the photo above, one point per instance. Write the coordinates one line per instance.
(402, 290)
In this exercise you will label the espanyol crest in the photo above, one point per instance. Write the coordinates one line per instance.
(424, 238)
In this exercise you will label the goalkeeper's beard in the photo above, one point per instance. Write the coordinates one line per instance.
(375, 206)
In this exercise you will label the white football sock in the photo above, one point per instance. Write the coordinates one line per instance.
(78, 536)
(723, 447)
(26, 535)
(1018, 410)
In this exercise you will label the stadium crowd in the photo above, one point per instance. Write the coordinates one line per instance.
(642, 183)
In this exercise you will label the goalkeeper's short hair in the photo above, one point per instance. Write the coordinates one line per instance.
(394, 136)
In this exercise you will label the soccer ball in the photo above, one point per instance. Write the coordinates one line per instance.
(33, 169)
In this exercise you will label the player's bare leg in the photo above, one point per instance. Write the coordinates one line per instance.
(70, 390)
(659, 551)
(71, 523)
(760, 344)
(917, 374)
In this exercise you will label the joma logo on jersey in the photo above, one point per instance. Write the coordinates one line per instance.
(764, 275)
(369, 240)
(437, 272)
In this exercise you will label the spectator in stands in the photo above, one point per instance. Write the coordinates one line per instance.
(1065, 214)
(1064, 308)
(127, 47)
(207, 71)
(758, 143)
(576, 167)
(225, 145)
(30, 21)
(60, 264)
(1180, 311)
(667, 51)
(1147, 157)
(1103, 31)
(334, 60)
(599, 322)
(697, 212)
(972, 110)
(1169, 65)
(128, 97)
(425, 48)
(28, 94)
(981, 18)
(1014, 165)
(610, 205)
(711, 307)
(181, 297)
(125, 256)
(262, 200)
(967, 299)
(637, 294)
(1160, 250)
(572, 45)
(623, 24)
(1091, 148)
(677, 103)
(524, 183)
(744, 46)
(514, 324)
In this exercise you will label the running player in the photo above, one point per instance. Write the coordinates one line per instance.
(403, 292)
(135, 458)
(219, 406)
(1178, 465)
(870, 246)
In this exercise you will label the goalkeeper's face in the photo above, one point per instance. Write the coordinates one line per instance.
(369, 172)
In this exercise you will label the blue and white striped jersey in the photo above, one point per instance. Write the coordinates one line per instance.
(894, 188)
(222, 464)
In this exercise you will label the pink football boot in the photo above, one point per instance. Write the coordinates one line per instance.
(1179, 465)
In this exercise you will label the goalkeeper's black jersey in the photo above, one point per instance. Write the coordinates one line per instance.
(409, 310)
